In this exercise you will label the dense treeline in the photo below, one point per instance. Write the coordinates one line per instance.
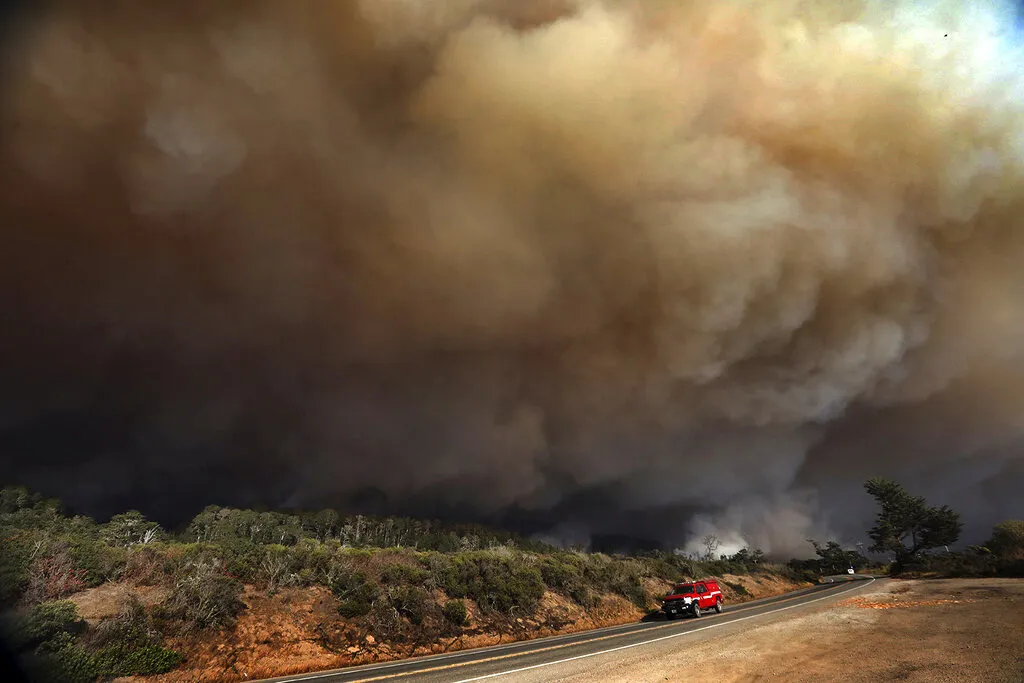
(220, 525)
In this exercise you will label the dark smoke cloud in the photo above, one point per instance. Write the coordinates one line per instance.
(607, 266)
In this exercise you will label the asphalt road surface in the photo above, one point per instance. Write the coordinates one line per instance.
(542, 659)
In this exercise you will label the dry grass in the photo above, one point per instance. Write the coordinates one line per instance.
(106, 600)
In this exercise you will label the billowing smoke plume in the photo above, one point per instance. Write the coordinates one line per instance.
(652, 267)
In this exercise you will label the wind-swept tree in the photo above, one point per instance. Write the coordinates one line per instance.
(835, 558)
(905, 524)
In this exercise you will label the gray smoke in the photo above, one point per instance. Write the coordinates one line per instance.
(649, 266)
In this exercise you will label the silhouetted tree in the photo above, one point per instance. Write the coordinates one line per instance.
(905, 524)
(711, 544)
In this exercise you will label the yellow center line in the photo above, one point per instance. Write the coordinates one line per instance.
(549, 648)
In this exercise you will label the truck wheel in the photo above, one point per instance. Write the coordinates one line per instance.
(718, 607)
(696, 611)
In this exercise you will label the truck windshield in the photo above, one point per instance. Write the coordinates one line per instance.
(683, 588)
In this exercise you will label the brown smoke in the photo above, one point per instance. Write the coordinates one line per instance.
(686, 255)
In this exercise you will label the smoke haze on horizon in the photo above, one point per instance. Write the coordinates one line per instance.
(612, 266)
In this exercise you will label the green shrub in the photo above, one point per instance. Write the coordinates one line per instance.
(146, 566)
(310, 561)
(625, 578)
(564, 573)
(203, 597)
(15, 558)
(242, 559)
(46, 641)
(129, 645)
(184, 555)
(1013, 568)
(496, 582)
(560, 572)
(144, 660)
(455, 612)
(972, 564)
(68, 664)
(410, 602)
(47, 622)
(403, 574)
(355, 592)
(123, 646)
(99, 561)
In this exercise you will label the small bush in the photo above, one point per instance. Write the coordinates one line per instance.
(403, 574)
(46, 641)
(311, 561)
(129, 645)
(69, 663)
(53, 575)
(47, 622)
(145, 566)
(15, 559)
(564, 573)
(560, 572)
(204, 598)
(410, 602)
(385, 620)
(625, 578)
(803, 570)
(242, 560)
(144, 660)
(455, 612)
(354, 591)
(276, 568)
(98, 561)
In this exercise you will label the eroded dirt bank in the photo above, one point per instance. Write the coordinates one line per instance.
(299, 630)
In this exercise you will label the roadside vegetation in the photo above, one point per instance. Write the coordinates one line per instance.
(406, 581)
(917, 538)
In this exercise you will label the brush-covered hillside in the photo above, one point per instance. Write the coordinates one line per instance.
(245, 594)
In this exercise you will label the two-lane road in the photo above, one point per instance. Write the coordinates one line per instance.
(540, 659)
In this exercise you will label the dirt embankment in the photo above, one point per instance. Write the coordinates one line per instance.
(299, 630)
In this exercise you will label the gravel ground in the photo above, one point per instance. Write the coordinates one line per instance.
(916, 631)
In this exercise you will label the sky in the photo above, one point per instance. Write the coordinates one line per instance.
(580, 267)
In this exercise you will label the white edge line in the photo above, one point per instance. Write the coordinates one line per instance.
(429, 659)
(655, 640)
